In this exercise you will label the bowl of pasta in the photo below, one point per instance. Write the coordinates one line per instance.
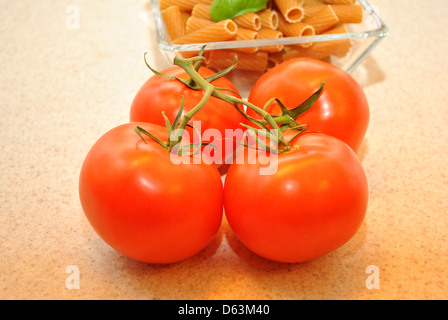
(341, 32)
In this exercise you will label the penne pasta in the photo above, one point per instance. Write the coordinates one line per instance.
(171, 16)
(340, 47)
(274, 59)
(291, 10)
(265, 33)
(323, 20)
(311, 10)
(209, 2)
(189, 21)
(246, 34)
(348, 13)
(221, 59)
(185, 5)
(217, 31)
(201, 11)
(339, 1)
(249, 20)
(194, 23)
(321, 50)
(269, 19)
(184, 15)
(297, 29)
(312, 2)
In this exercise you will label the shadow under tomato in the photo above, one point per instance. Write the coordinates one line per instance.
(340, 273)
(249, 257)
(180, 280)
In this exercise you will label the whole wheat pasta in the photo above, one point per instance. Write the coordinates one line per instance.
(312, 2)
(322, 50)
(221, 59)
(246, 34)
(194, 23)
(269, 19)
(341, 47)
(297, 29)
(339, 1)
(184, 15)
(274, 59)
(172, 17)
(323, 20)
(185, 5)
(249, 20)
(265, 33)
(189, 21)
(347, 13)
(311, 10)
(204, 1)
(201, 11)
(217, 31)
(291, 10)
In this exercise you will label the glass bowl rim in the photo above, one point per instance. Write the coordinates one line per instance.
(164, 43)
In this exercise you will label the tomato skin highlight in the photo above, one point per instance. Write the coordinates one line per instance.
(314, 203)
(159, 94)
(341, 111)
(142, 204)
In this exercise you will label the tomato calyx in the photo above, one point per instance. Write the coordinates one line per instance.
(288, 117)
(270, 135)
(272, 127)
(175, 131)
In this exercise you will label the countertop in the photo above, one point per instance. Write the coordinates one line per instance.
(63, 84)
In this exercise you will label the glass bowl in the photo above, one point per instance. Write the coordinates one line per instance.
(362, 38)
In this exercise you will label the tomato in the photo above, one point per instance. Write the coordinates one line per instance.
(341, 110)
(161, 94)
(143, 204)
(311, 201)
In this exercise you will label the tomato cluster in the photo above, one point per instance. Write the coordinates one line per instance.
(304, 196)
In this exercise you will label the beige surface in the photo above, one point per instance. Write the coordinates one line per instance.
(60, 89)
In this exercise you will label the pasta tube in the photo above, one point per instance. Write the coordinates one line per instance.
(339, 1)
(323, 20)
(172, 16)
(217, 31)
(348, 13)
(201, 11)
(185, 5)
(291, 10)
(265, 33)
(269, 19)
(248, 20)
(321, 50)
(221, 59)
(194, 23)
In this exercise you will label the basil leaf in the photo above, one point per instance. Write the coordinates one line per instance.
(229, 9)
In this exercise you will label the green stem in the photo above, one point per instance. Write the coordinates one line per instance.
(209, 89)
(187, 117)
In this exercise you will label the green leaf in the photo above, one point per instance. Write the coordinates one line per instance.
(307, 104)
(229, 9)
(140, 130)
(178, 116)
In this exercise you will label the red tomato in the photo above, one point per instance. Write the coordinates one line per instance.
(160, 94)
(313, 203)
(341, 110)
(142, 204)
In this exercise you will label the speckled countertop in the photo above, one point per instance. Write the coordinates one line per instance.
(61, 88)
